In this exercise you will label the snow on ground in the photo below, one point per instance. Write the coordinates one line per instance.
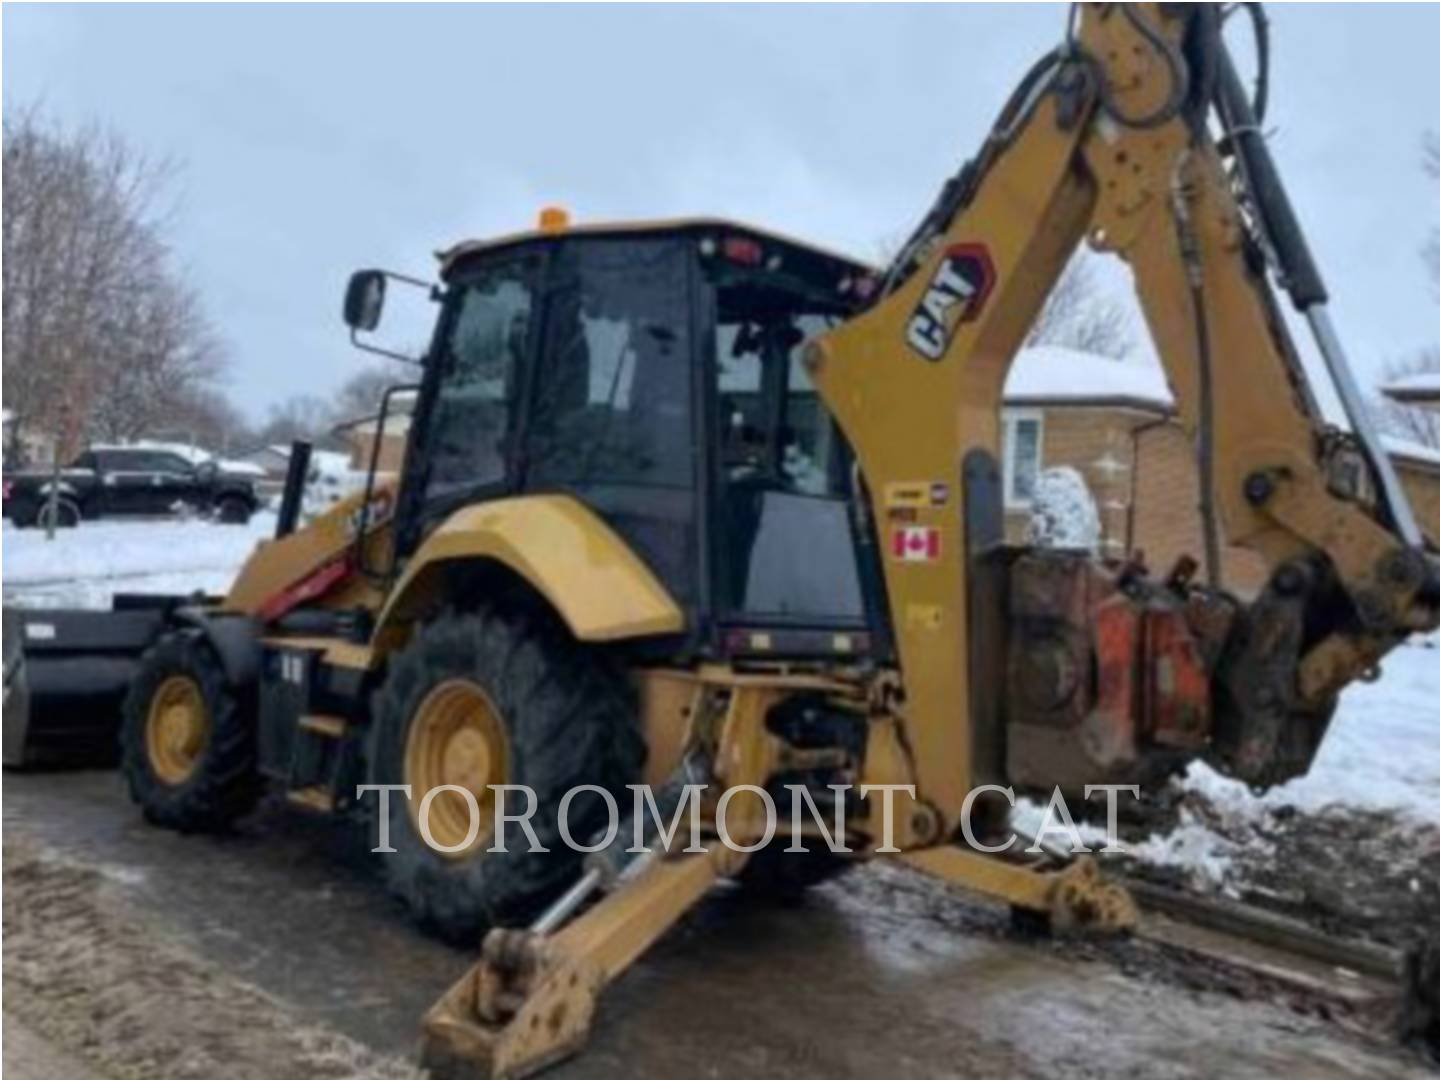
(331, 479)
(85, 566)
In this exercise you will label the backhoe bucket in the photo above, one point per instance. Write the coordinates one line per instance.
(66, 673)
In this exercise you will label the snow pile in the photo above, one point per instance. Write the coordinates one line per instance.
(1192, 846)
(85, 566)
(1063, 512)
(331, 479)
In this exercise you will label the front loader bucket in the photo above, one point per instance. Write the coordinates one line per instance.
(66, 673)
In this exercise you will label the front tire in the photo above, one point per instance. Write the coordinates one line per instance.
(486, 699)
(188, 739)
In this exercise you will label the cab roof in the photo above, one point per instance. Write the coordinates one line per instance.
(450, 256)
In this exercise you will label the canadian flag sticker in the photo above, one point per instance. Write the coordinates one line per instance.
(915, 543)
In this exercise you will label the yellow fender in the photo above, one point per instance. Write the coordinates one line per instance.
(587, 573)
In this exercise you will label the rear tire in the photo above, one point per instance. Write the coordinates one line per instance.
(568, 719)
(222, 782)
(23, 513)
(775, 875)
(232, 510)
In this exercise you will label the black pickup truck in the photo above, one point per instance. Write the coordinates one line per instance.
(128, 481)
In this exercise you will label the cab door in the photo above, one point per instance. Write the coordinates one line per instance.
(467, 425)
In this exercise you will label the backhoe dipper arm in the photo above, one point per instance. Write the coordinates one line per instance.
(1109, 139)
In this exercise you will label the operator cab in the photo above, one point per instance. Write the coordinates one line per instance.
(655, 373)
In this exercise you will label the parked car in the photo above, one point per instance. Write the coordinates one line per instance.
(123, 481)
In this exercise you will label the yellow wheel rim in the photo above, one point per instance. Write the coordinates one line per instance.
(456, 737)
(177, 729)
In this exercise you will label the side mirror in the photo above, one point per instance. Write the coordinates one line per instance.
(364, 299)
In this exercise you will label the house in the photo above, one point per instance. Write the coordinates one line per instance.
(1419, 469)
(1114, 422)
(1419, 389)
(359, 435)
(273, 460)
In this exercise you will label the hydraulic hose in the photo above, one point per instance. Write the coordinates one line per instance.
(1205, 441)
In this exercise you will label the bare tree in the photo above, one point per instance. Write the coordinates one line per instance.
(1421, 425)
(302, 416)
(1080, 315)
(100, 336)
(208, 418)
(160, 357)
(360, 394)
(1432, 248)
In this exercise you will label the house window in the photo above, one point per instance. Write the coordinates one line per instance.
(1024, 435)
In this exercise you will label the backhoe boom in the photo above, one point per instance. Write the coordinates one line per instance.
(1110, 142)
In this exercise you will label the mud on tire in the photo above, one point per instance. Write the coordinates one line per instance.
(569, 718)
(224, 783)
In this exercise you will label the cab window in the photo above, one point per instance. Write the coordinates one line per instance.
(481, 359)
(772, 422)
(612, 403)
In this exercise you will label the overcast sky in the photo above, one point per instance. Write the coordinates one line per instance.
(319, 139)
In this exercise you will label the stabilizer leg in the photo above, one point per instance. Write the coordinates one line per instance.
(1074, 896)
(529, 1001)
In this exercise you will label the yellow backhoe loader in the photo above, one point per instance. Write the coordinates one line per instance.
(695, 506)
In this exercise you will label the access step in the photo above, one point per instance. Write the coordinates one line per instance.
(331, 727)
(314, 798)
